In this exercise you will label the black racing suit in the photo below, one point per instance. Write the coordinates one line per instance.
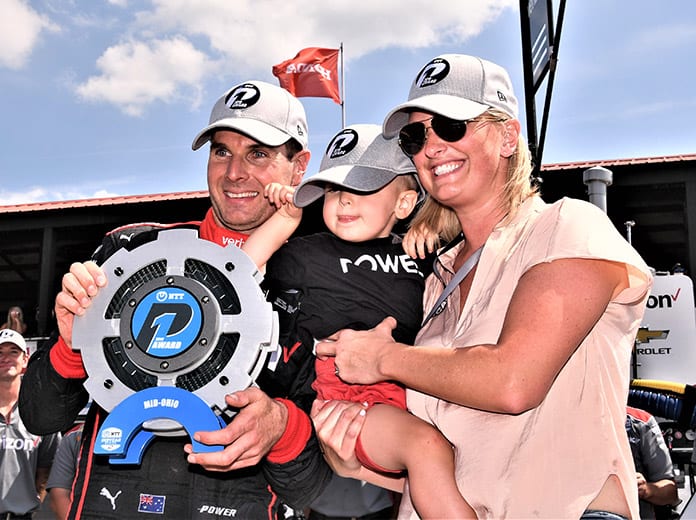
(165, 483)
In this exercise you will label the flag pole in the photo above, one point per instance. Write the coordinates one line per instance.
(343, 91)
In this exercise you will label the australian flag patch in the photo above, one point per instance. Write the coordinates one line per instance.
(151, 504)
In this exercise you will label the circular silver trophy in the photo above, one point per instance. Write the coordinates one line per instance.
(181, 323)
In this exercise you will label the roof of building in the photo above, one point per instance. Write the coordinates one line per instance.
(619, 162)
(133, 199)
(107, 201)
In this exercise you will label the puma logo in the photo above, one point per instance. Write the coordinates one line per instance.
(126, 237)
(112, 498)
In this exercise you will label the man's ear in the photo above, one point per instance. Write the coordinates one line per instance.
(300, 163)
(405, 203)
(510, 137)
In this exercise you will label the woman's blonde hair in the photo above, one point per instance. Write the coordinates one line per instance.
(442, 220)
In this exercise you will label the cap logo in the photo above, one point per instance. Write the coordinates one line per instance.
(501, 96)
(343, 143)
(11, 336)
(432, 73)
(243, 96)
(6, 333)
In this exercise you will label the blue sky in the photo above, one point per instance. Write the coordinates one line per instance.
(103, 98)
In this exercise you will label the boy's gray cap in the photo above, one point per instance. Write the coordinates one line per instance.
(359, 158)
(14, 337)
(267, 113)
(457, 86)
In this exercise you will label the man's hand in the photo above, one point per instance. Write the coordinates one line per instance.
(79, 286)
(259, 424)
(642, 486)
(338, 425)
(662, 492)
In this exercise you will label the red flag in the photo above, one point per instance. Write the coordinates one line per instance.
(312, 73)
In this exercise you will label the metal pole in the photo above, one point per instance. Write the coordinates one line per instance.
(597, 179)
(549, 86)
(634, 355)
(46, 276)
(629, 225)
(530, 106)
(343, 91)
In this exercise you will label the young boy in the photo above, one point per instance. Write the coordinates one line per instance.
(354, 277)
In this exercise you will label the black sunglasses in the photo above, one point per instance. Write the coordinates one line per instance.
(412, 137)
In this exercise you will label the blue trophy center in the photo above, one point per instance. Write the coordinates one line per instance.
(167, 322)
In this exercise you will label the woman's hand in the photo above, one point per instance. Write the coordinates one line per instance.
(358, 352)
(338, 424)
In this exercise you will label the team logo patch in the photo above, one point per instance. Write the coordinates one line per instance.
(214, 510)
(433, 73)
(151, 504)
(645, 334)
(111, 439)
(244, 96)
(342, 144)
(111, 498)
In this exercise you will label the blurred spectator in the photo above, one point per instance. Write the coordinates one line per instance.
(654, 469)
(15, 320)
(62, 474)
(25, 459)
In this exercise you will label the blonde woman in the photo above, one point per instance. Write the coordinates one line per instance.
(524, 365)
(15, 320)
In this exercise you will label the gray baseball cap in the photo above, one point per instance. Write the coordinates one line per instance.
(14, 337)
(264, 112)
(457, 86)
(359, 158)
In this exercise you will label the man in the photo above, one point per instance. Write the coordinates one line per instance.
(25, 459)
(62, 474)
(654, 469)
(271, 459)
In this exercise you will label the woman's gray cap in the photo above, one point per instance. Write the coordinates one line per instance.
(358, 158)
(457, 86)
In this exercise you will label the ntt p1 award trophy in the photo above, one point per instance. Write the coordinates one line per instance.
(181, 323)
